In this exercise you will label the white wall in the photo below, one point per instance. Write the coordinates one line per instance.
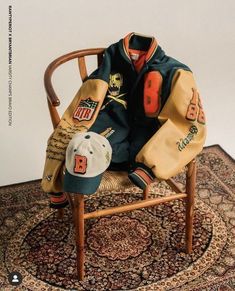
(199, 33)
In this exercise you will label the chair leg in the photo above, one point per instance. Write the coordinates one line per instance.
(146, 193)
(72, 207)
(60, 212)
(79, 233)
(190, 190)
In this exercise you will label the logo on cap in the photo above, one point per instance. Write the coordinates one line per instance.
(80, 164)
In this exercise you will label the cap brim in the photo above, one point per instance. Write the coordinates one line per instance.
(81, 185)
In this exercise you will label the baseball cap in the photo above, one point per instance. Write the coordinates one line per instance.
(88, 155)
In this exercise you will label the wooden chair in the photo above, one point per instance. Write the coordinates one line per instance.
(118, 179)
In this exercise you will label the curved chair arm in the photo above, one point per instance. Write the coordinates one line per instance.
(53, 99)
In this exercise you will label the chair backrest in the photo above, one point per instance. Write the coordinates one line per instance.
(80, 55)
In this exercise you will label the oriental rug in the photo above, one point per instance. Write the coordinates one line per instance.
(138, 250)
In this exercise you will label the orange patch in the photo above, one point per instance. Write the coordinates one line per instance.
(201, 116)
(152, 91)
(195, 110)
(192, 108)
(80, 164)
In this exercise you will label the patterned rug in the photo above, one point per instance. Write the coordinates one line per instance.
(138, 250)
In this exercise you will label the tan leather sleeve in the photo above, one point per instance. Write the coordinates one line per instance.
(77, 117)
(182, 134)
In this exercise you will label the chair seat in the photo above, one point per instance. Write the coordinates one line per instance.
(115, 180)
(118, 181)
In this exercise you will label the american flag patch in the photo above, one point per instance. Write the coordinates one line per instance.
(85, 110)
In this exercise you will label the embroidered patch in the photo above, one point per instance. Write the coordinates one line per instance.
(115, 91)
(85, 110)
(152, 93)
(194, 107)
(184, 142)
(115, 84)
(80, 164)
(201, 115)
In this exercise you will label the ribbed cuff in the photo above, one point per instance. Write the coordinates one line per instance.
(58, 200)
(142, 176)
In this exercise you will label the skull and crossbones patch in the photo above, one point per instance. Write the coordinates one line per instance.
(115, 90)
(115, 84)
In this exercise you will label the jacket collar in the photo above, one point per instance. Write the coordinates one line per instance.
(138, 42)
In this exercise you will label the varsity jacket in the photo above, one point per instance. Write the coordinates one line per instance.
(153, 102)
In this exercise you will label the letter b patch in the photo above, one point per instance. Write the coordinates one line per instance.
(80, 164)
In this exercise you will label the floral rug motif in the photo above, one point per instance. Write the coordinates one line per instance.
(138, 250)
(124, 238)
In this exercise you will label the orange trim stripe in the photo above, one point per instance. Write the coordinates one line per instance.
(140, 178)
(126, 44)
(144, 176)
(58, 199)
(146, 172)
(152, 49)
